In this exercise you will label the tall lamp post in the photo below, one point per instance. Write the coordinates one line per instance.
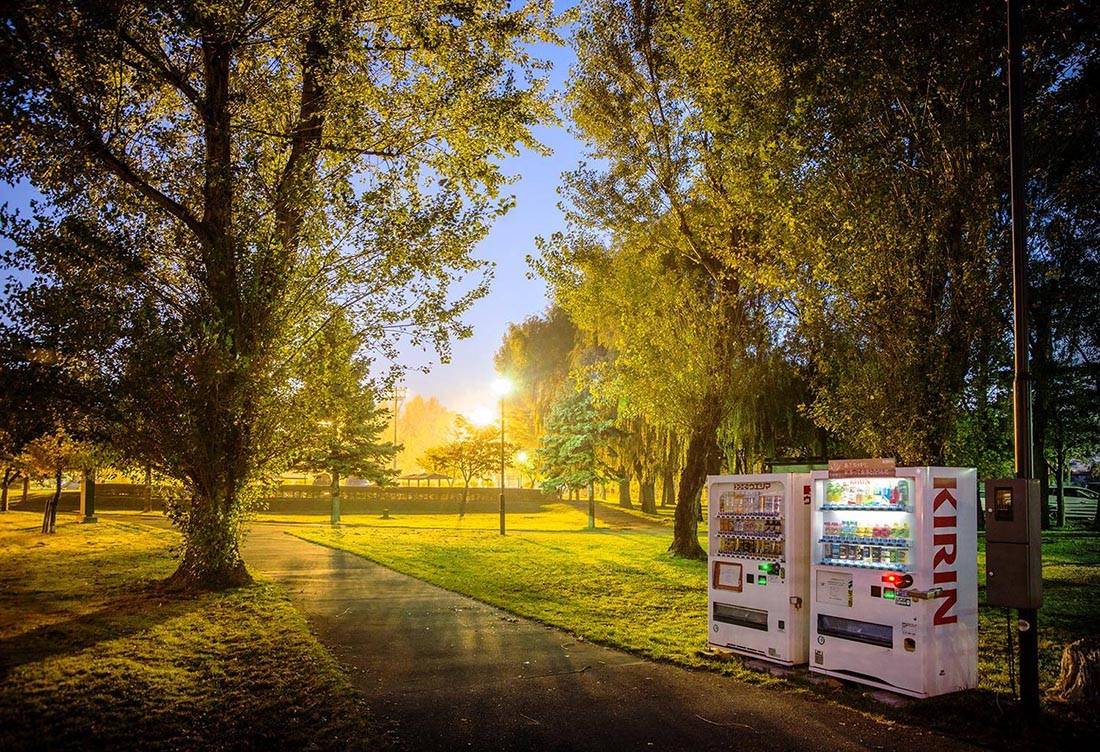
(1021, 385)
(502, 387)
(399, 393)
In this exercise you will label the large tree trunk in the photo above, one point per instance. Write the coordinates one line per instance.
(26, 489)
(649, 496)
(668, 491)
(211, 552)
(49, 512)
(702, 454)
(668, 470)
(462, 503)
(624, 491)
(148, 489)
(10, 474)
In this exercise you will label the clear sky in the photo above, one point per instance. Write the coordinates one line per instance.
(464, 383)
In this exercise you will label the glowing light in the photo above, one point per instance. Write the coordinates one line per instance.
(521, 457)
(502, 386)
(482, 416)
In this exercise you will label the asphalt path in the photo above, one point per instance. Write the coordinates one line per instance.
(446, 672)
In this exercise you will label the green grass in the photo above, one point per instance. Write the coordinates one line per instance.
(620, 587)
(1071, 570)
(93, 655)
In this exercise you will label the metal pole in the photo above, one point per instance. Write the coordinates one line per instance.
(1021, 383)
(502, 465)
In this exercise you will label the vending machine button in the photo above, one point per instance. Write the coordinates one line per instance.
(888, 593)
(749, 578)
(876, 591)
(761, 580)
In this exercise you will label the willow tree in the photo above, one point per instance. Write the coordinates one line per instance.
(214, 174)
(659, 196)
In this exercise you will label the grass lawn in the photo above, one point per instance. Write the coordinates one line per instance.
(94, 656)
(620, 587)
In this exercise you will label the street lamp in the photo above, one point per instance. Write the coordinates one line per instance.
(399, 393)
(502, 387)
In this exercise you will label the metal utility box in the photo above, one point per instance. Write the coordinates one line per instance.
(1013, 563)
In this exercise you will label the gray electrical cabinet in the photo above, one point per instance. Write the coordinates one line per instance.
(1013, 563)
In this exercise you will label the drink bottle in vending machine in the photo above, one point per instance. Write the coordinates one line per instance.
(893, 579)
(758, 563)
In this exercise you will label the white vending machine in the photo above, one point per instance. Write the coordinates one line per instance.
(758, 565)
(894, 578)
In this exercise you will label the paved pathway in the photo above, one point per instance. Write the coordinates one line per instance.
(452, 673)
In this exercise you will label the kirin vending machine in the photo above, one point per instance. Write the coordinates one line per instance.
(894, 576)
(758, 565)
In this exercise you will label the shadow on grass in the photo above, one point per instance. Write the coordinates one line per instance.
(123, 615)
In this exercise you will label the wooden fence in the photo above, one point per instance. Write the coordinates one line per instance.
(309, 499)
(303, 499)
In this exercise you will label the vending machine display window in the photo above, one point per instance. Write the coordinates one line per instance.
(867, 523)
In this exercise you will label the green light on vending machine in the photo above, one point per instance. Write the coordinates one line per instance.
(762, 580)
(888, 593)
(768, 567)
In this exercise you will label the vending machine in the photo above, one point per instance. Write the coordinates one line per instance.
(894, 578)
(759, 564)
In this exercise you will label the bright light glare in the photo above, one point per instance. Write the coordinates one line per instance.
(521, 457)
(482, 416)
(502, 386)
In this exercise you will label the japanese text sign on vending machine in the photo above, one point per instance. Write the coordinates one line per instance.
(883, 467)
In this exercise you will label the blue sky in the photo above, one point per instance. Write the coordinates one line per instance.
(463, 384)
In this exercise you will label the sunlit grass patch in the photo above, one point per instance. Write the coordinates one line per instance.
(95, 655)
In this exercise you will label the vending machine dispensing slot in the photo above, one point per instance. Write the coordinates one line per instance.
(759, 549)
(855, 630)
(749, 618)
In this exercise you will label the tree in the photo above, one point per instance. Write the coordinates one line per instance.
(1064, 246)
(34, 397)
(49, 456)
(569, 449)
(536, 354)
(424, 423)
(675, 233)
(342, 419)
(473, 453)
(216, 174)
